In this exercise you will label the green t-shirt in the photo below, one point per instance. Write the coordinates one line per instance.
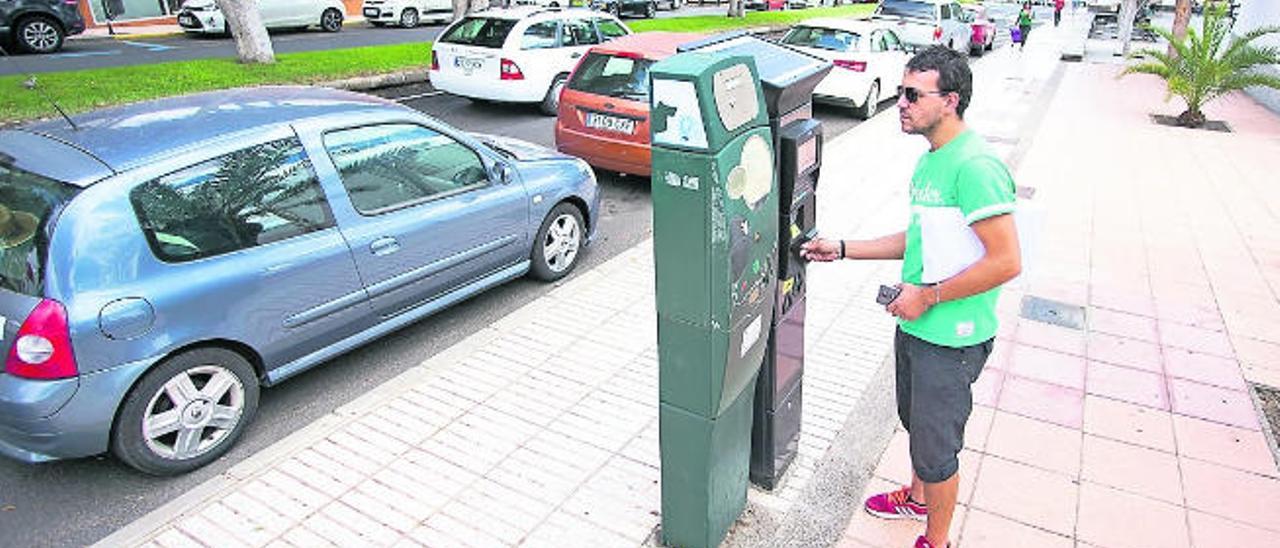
(963, 175)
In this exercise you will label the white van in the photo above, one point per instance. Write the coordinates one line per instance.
(204, 17)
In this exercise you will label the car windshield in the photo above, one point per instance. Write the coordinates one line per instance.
(484, 32)
(907, 8)
(27, 203)
(822, 38)
(613, 76)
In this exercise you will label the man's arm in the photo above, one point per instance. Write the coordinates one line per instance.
(1001, 262)
(891, 246)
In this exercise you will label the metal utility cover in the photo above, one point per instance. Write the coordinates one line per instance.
(1052, 312)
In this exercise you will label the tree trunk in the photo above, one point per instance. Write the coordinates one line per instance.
(737, 8)
(461, 8)
(253, 45)
(1191, 118)
(1128, 12)
(1181, 16)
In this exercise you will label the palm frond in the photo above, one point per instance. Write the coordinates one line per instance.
(1245, 40)
(1249, 79)
(1156, 69)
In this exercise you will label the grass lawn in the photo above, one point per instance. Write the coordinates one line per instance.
(81, 90)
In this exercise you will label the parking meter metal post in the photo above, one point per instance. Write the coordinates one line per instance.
(788, 77)
(715, 229)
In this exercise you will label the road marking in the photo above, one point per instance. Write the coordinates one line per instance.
(87, 53)
(418, 96)
(146, 46)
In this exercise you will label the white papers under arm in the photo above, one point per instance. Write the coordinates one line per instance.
(947, 244)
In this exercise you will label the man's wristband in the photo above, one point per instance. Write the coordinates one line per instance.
(937, 293)
(842, 255)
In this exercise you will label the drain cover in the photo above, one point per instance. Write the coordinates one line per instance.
(1052, 312)
(1270, 399)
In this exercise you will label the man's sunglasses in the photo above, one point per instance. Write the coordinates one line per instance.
(913, 94)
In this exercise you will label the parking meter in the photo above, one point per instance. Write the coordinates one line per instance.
(714, 239)
(787, 77)
(775, 433)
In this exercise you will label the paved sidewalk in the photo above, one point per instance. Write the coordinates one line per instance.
(1139, 429)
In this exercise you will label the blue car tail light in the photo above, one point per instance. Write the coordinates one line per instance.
(42, 349)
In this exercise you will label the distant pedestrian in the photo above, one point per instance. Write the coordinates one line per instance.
(947, 323)
(1057, 11)
(1024, 24)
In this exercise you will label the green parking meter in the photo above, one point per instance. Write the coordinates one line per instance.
(715, 216)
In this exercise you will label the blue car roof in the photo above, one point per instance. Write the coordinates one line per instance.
(126, 136)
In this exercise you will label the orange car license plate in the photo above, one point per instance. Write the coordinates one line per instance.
(610, 123)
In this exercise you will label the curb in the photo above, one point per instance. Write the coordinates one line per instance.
(361, 83)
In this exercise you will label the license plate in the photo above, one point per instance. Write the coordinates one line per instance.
(371, 12)
(187, 20)
(467, 64)
(610, 123)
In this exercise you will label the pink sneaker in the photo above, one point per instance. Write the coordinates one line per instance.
(896, 505)
(922, 542)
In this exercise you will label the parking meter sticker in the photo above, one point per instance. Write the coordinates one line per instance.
(735, 94)
(689, 182)
(677, 120)
(749, 337)
(752, 179)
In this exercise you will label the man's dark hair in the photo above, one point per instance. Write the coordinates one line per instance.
(953, 72)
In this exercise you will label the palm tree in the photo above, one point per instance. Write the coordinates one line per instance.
(1204, 65)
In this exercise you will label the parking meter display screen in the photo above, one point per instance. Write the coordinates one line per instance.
(806, 155)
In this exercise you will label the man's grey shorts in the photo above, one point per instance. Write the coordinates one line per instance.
(935, 398)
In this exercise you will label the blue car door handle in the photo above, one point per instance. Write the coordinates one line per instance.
(384, 246)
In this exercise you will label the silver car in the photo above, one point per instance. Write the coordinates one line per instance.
(924, 23)
(162, 261)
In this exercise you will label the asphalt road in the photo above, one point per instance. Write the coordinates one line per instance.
(78, 502)
(95, 52)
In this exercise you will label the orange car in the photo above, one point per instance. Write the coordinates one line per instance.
(604, 109)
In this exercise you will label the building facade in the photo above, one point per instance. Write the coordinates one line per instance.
(1259, 13)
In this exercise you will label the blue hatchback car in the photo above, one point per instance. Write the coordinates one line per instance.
(159, 262)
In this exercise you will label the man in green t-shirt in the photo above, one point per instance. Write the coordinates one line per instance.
(960, 246)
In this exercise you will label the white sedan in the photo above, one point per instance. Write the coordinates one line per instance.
(868, 56)
(204, 17)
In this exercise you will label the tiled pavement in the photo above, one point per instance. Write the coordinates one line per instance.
(1137, 430)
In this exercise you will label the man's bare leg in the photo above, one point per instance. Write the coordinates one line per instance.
(941, 500)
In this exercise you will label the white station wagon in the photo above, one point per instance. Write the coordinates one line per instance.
(519, 55)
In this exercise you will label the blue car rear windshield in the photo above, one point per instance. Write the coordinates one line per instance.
(907, 8)
(484, 32)
(28, 203)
